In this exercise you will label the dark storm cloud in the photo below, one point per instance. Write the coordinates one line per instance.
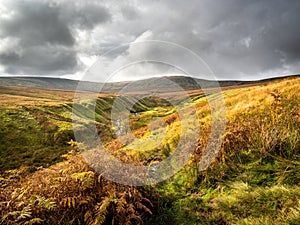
(236, 37)
(37, 24)
(239, 39)
(44, 35)
(84, 14)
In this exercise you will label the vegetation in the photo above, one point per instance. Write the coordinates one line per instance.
(254, 179)
(153, 84)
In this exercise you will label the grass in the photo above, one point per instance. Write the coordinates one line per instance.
(29, 138)
(238, 203)
(36, 132)
(254, 179)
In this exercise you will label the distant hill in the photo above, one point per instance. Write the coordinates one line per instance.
(43, 83)
(158, 84)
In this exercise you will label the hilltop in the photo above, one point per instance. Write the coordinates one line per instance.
(158, 84)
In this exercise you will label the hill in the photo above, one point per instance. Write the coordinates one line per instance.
(254, 178)
(159, 84)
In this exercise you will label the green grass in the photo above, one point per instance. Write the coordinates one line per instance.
(27, 141)
(37, 135)
(239, 203)
(254, 179)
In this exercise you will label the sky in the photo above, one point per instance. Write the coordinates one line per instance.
(136, 39)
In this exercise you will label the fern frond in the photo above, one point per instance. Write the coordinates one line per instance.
(69, 202)
(34, 221)
(102, 210)
(24, 213)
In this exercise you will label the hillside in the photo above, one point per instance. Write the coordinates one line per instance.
(253, 180)
(151, 84)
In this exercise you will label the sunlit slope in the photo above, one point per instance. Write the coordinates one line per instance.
(253, 180)
(36, 120)
(37, 124)
(157, 139)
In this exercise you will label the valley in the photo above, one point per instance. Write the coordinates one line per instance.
(254, 178)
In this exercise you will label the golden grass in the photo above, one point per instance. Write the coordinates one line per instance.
(256, 169)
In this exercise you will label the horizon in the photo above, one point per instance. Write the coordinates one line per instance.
(148, 78)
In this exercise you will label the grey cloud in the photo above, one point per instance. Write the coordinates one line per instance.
(239, 39)
(84, 14)
(235, 37)
(129, 12)
(46, 35)
(37, 24)
(41, 60)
